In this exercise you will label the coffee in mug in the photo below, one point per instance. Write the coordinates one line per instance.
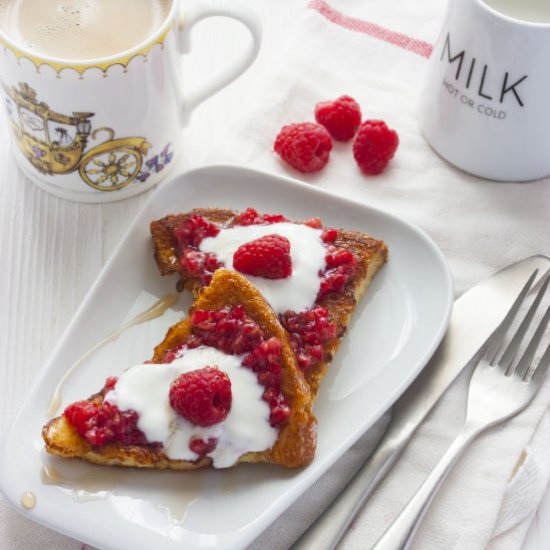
(81, 29)
(94, 92)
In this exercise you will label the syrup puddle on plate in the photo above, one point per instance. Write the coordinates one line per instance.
(28, 500)
(170, 493)
(156, 310)
(94, 485)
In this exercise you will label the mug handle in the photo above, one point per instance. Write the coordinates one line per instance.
(192, 14)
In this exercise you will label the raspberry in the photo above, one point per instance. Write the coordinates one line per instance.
(202, 396)
(101, 423)
(202, 447)
(265, 361)
(251, 217)
(314, 223)
(309, 330)
(280, 409)
(172, 354)
(304, 145)
(199, 264)
(110, 383)
(329, 235)
(229, 330)
(374, 146)
(267, 257)
(193, 230)
(338, 256)
(341, 266)
(340, 117)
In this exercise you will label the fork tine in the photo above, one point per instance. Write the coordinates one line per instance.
(495, 341)
(513, 347)
(527, 358)
(542, 367)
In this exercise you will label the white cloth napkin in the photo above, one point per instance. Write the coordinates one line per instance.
(376, 51)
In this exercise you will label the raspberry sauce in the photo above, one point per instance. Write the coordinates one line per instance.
(319, 268)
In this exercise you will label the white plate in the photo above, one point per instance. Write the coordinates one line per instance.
(394, 332)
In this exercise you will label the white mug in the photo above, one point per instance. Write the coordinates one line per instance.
(106, 129)
(485, 103)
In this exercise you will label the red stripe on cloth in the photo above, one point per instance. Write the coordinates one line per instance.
(419, 47)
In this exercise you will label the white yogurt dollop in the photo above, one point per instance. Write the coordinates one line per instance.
(307, 253)
(145, 389)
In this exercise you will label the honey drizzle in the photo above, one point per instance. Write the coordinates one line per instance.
(156, 310)
(176, 499)
(28, 500)
(95, 484)
(50, 476)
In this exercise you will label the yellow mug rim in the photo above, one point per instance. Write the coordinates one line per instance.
(102, 63)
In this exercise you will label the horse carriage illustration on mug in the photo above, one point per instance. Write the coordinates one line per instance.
(56, 143)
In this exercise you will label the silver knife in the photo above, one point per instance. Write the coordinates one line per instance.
(476, 314)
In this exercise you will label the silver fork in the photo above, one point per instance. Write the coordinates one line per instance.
(500, 388)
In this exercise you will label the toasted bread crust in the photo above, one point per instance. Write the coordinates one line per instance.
(371, 254)
(296, 441)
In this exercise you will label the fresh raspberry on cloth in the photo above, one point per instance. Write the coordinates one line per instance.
(340, 117)
(202, 396)
(267, 257)
(305, 146)
(374, 146)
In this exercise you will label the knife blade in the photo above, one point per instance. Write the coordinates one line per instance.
(476, 314)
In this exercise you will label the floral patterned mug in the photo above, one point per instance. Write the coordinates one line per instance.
(105, 129)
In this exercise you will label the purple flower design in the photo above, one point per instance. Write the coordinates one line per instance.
(152, 162)
(157, 163)
(38, 153)
(142, 176)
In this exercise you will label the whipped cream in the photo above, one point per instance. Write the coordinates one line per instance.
(145, 389)
(307, 252)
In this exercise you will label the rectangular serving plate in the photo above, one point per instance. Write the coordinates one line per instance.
(395, 330)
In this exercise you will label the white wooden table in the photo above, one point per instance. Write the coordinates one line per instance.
(52, 250)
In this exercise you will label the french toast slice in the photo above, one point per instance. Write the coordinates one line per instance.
(288, 411)
(176, 236)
